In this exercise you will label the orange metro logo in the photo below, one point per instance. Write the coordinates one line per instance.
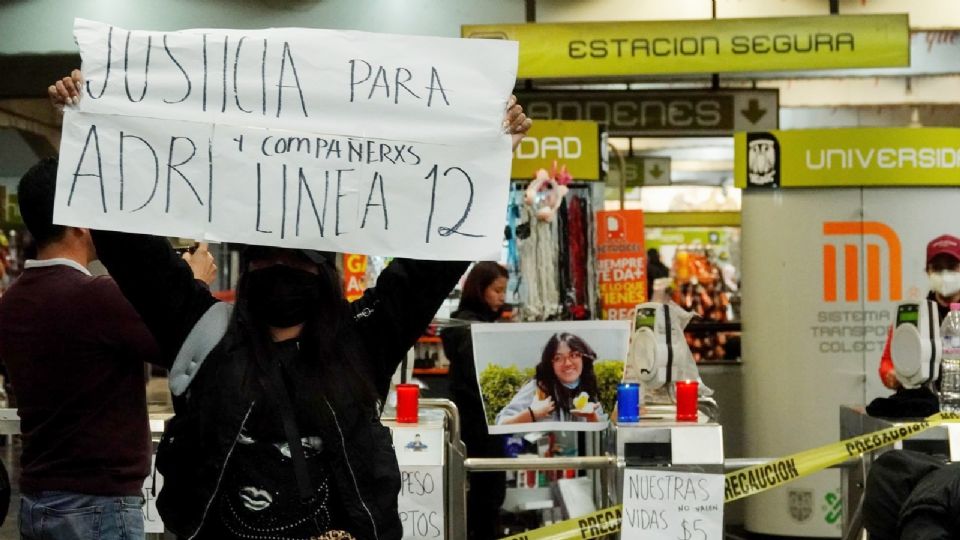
(853, 235)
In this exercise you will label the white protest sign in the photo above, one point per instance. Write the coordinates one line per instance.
(330, 158)
(661, 504)
(421, 502)
(361, 84)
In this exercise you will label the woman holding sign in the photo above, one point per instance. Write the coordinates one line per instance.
(278, 398)
(483, 299)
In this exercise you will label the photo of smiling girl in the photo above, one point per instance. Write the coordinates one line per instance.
(564, 388)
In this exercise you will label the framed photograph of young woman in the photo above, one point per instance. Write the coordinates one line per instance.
(552, 376)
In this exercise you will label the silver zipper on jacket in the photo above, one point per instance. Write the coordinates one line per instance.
(343, 449)
(223, 469)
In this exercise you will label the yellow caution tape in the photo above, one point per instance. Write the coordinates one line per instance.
(595, 525)
(751, 480)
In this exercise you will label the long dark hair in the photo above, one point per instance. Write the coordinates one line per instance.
(547, 380)
(480, 277)
(319, 340)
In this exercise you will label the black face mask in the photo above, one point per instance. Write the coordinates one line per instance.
(281, 296)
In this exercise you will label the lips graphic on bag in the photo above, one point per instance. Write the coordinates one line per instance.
(255, 499)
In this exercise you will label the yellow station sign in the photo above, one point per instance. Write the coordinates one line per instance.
(848, 157)
(574, 143)
(599, 49)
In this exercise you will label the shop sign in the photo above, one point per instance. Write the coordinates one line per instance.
(670, 505)
(640, 171)
(574, 144)
(657, 113)
(657, 237)
(598, 49)
(621, 262)
(383, 144)
(848, 157)
(354, 275)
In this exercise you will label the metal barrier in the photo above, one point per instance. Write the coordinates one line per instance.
(457, 465)
(608, 464)
(454, 476)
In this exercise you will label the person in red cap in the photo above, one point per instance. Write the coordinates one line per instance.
(943, 273)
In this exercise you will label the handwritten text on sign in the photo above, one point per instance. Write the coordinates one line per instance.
(421, 502)
(672, 505)
(344, 161)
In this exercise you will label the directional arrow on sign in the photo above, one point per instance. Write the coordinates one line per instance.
(656, 171)
(753, 112)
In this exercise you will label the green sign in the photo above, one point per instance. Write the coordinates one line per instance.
(848, 157)
(640, 171)
(602, 49)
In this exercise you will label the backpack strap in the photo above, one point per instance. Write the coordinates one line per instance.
(667, 326)
(203, 337)
(276, 389)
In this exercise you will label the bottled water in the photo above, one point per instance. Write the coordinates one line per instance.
(950, 366)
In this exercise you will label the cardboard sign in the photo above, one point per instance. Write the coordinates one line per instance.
(597, 49)
(421, 502)
(848, 157)
(621, 262)
(339, 141)
(672, 505)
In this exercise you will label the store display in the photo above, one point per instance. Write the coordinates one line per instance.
(578, 212)
(705, 280)
(549, 248)
(700, 286)
(708, 344)
(538, 267)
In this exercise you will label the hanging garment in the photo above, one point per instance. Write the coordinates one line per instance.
(538, 268)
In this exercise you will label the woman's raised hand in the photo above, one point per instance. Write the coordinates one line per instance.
(66, 91)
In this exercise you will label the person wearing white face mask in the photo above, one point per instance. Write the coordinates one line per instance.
(943, 274)
(911, 494)
(943, 271)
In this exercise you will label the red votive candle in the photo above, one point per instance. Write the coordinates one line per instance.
(687, 401)
(408, 401)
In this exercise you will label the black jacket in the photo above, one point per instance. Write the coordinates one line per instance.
(458, 348)
(223, 384)
(910, 495)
